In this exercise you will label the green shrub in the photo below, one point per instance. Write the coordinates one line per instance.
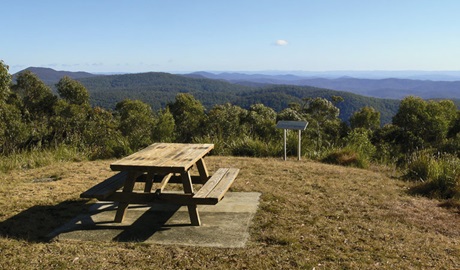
(420, 167)
(346, 157)
(220, 145)
(358, 140)
(439, 175)
(254, 148)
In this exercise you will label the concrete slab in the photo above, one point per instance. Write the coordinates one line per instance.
(223, 225)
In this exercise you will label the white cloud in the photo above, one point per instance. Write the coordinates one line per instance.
(281, 42)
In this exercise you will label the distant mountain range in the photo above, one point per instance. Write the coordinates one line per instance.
(393, 88)
(371, 74)
(274, 90)
(158, 89)
(50, 76)
(448, 87)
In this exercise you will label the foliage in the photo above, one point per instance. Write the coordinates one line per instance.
(439, 174)
(13, 131)
(366, 117)
(261, 121)
(34, 159)
(69, 122)
(358, 140)
(247, 146)
(136, 123)
(225, 121)
(33, 118)
(5, 81)
(103, 137)
(346, 157)
(72, 91)
(37, 104)
(189, 116)
(164, 129)
(159, 89)
(428, 120)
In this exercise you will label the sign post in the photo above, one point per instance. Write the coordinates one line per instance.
(293, 125)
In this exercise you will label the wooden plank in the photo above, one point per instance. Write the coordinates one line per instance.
(223, 185)
(192, 209)
(164, 182)
(149, 182)
(212, 183)
(145, 197)
(216, 187)
(164, 157)
(202, 170)
(127, 188)
(103, 189)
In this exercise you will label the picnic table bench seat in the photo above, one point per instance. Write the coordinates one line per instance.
(215, 188)
(210, 193)
(106, 188)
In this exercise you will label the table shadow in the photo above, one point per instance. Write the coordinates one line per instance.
(147, 225)
(138, 225)
(35, 223)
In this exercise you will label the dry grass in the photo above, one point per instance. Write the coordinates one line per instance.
(311, 216)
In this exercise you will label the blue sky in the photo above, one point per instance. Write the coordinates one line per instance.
(237, 35)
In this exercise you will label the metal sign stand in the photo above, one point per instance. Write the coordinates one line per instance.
(293, 125)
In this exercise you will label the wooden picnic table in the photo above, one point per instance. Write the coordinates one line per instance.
(164, 163)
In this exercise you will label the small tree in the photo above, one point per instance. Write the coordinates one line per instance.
(37, 97)
(428, 120)
(5, 82)
(164, 128)
(224, 122)
(72, 91)
(103, 139)
(367, 118)
(324, 123)
(136, 122)
(189, 116)
(262, 121)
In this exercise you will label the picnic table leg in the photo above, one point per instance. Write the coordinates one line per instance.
(127, 188)
(149, 182)
(202, 170)
(192, 208)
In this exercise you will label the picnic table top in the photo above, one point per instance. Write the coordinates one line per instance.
(167, 157)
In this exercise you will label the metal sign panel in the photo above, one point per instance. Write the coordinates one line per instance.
(295, 125)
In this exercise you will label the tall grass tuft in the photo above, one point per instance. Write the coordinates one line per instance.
(254, 148)
(37, 158)
(346, 157)
(439, 174)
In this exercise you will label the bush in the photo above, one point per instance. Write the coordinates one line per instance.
(358, 140)
(440, 175)
(420, 167)
(220, 145)
(254, 148)
(346, 157)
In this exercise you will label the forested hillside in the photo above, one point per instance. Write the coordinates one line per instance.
(388, 87)
(50, 76)
(158, 89)
(423, 138)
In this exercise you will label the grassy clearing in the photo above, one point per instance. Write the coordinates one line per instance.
(311, 215)
(35, 159)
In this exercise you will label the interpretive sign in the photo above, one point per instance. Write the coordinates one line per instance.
(293, 125)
